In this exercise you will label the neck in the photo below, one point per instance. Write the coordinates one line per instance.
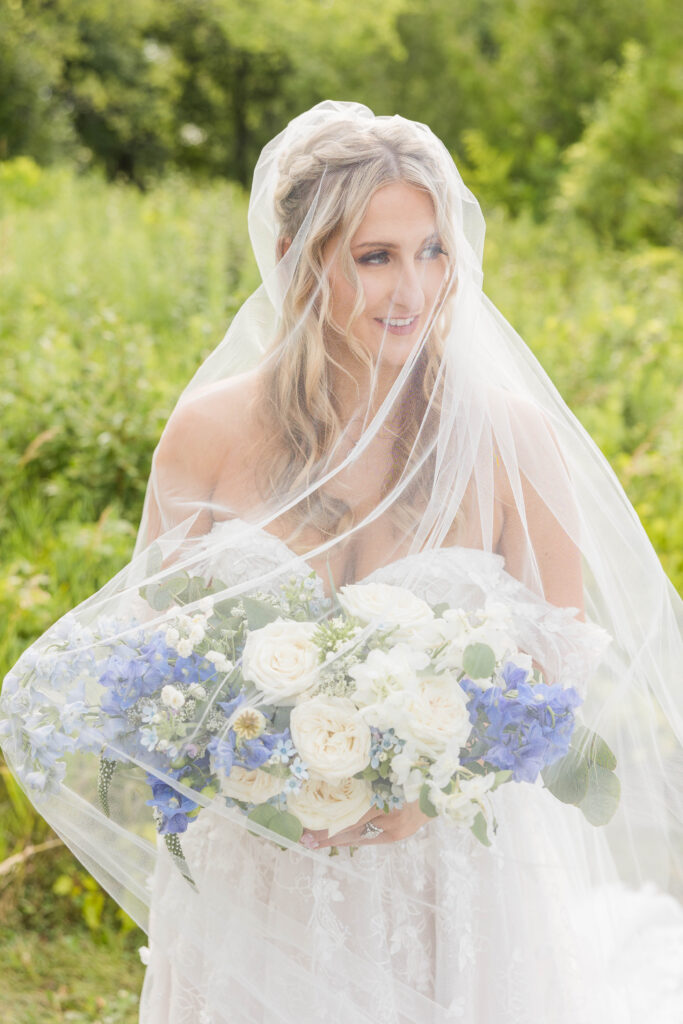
(360, 392)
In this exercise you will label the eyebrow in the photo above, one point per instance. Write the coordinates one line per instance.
(434, 237)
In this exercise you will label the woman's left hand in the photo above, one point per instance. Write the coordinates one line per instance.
(395, 825)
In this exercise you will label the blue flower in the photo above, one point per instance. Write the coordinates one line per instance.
(524, 732)
(298, 769)
(172, 805)
(223, 752)
(283, 750)
(149, 737)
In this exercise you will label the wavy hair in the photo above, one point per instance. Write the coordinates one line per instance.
(335, 172)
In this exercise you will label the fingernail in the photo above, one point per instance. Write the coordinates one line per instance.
(308, 841)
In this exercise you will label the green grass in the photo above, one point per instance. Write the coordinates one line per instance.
(68, 978)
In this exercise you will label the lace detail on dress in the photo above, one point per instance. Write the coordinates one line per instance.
(432, 930)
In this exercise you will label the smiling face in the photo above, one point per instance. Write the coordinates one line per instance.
(401, 266)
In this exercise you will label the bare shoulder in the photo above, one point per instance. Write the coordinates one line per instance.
(533, 445)
(208, 431)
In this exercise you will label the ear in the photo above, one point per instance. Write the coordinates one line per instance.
(283, 245)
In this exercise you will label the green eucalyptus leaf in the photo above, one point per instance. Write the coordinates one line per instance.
(286, 825)
(157, 597)
(426, 805)
(593, 747)
(501, 777)
(478, 661)
(259, 613)
(567, 779)
(262, 814)
(602, 797)
(480, 829)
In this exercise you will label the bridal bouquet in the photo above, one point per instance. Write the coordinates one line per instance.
(304, 715)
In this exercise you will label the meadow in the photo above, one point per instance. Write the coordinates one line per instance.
(109, 299)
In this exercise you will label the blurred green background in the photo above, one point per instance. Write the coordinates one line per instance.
(128, 134)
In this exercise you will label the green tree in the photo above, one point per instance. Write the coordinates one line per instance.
(624, 175)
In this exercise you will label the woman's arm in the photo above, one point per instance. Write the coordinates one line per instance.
(537, 547)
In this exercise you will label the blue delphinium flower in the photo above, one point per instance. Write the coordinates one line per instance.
(173, 807)
(521, 727)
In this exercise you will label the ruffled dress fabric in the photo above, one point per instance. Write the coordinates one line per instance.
(430, 930)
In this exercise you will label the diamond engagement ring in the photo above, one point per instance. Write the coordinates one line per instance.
(371, 831)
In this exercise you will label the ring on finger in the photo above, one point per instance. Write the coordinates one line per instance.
(371, 831)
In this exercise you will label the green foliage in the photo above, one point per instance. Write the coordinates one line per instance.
(70, 977)
(585, 777)
(624, 175)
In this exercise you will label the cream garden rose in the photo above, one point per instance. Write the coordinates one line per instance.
(431, 716)
(320, 805)
(331, 736)
(281, 660)
(253, 786)
(390, 605)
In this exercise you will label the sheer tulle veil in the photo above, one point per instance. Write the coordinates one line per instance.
(479, 436)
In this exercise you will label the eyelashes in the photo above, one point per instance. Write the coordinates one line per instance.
(381, 257)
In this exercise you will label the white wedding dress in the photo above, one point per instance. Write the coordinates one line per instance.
(430, 930)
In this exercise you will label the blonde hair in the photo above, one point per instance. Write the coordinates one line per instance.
(336, 171)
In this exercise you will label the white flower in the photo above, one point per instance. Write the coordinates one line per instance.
(433, 716)
(196, 690)
(172, 697)
(413, 784)
(464, 804)
(319, 805)
(386, 604)
(206, 605)
(196, 634)
(172, 638)
(443, 769)
(282, 660)
(331, 736)
(252, 786)
(184, 648)
(382, 672)
(402, 764)
(219, 661)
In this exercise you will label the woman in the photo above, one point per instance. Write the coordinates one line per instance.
(370, 419)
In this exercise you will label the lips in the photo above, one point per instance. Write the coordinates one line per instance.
(398, 324)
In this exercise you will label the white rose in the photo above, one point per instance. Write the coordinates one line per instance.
(433, 716)
(331, 737)
(386, 604)
(172, 697)
(319, 805)
(282, 660)
(252, 786)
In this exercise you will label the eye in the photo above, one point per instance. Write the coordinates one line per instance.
(433, 251)
(376, 258)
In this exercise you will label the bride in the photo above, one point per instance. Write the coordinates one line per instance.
(371, 418)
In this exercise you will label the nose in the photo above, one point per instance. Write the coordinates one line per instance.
(408, 289)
